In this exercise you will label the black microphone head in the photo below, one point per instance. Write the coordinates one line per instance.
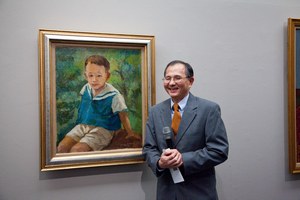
(167, 133)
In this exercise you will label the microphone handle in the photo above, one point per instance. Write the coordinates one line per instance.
(169, 143)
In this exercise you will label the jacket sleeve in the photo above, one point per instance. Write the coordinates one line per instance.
(151, 149)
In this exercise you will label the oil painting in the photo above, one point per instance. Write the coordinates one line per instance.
(91, 117)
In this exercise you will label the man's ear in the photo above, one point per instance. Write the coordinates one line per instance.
(191, 80)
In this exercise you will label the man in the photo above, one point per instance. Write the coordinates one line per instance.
(199, 145)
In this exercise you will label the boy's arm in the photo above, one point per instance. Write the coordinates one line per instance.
(126, 124)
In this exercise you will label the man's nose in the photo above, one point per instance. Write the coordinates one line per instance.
(172, 81)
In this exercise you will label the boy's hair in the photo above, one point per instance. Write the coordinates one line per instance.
(98, 60)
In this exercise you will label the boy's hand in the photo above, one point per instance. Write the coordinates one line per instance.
(132, 135)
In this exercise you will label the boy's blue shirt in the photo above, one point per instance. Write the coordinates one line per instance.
(98, 110)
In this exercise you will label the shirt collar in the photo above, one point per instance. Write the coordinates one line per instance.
(181, 103)
(103, 91)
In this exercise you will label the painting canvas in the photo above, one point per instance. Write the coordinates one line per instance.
(62, 77)
(125, 76)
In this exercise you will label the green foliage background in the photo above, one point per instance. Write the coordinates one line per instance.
(125, 68)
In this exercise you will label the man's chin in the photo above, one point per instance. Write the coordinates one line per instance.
(173, 95)
(173, 92)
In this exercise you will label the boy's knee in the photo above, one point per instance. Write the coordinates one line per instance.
(65, 145)
(62, 148)
(80, 147)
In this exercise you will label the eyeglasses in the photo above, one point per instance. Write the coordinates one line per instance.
(176, 79)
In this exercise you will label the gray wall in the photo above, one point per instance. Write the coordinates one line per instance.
(239, 52)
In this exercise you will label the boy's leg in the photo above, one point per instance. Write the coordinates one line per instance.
(97, 138)
(65, 145)
(81, 147)
(72, 138)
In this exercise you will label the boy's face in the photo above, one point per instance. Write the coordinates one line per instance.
(96, 76)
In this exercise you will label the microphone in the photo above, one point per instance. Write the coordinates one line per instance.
(168, 136)
(175, 172)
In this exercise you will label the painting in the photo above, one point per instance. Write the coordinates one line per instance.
(294, 94)
(95, 93)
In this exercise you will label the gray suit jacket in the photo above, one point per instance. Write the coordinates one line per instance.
(202, 141)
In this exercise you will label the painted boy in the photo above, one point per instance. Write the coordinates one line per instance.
(101, 111)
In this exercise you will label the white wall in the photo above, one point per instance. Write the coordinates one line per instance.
(238, 49)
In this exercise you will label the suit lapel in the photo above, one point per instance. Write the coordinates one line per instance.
(166, 114)
(189, 115)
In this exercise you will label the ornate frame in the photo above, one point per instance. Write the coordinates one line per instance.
(50, 43)
(294, 94)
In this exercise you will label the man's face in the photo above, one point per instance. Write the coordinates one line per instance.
(175, 82)
(96, 75)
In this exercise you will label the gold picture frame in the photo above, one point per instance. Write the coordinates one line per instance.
(61, 69)
(294, 94)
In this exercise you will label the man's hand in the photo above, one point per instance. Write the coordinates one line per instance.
(170, 158)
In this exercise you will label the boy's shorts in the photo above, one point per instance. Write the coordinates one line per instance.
(96, 137)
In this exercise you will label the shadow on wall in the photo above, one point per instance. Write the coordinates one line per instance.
(148, 183)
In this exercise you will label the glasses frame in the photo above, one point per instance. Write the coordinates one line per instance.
(174, 79)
